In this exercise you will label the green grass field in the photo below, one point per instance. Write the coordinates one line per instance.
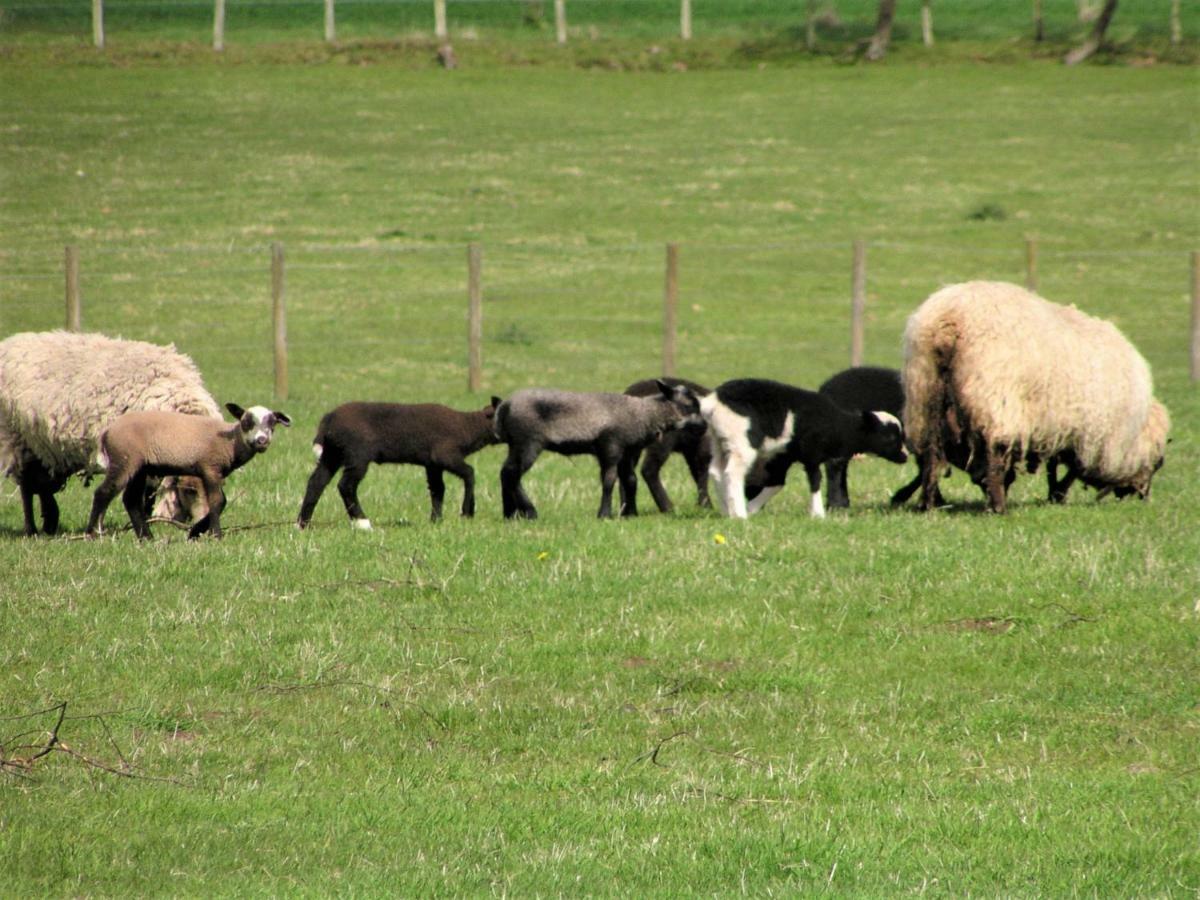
(881, 703)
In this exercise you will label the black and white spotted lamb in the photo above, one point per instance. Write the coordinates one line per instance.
(755, 421)
(614, 428)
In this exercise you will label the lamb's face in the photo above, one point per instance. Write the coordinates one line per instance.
(258, 425)
(686, 404)
(887, 435)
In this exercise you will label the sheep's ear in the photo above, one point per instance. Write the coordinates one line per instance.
(666, 389)
(281, 418)
(496, 401)
(234, 410)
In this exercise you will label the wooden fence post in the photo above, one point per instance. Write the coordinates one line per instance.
(330, 26)
(1196, 315)
(74, 306)
(685, 19)
(474, 317)
(560, 21)
(439, 20)
(98, 23)
(810, 26)
(858, 302)
(1176, 23)
(219, 26)
(1039, 28)
(926, 23)
(279, 319)
(670, 309)
(1031, 260)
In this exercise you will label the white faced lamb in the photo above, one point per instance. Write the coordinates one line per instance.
(59, 390)
(995, 368)
(354, 435)
(614, 428)
(690, 442)
(755, 421)
(141, 444)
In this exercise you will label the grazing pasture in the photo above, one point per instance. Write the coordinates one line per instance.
(883, 702)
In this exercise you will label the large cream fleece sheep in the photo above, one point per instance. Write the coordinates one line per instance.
(59, 390)
(994, 374)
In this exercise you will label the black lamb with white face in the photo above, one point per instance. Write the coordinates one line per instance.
(755, 421)
(854, 390)
(614, 428)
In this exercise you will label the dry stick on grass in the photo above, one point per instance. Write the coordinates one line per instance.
(21, 765)
(652, 754)
(320, 684)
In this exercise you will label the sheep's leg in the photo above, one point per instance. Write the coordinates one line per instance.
(516, 464)
(437, 491)
(28, 491)
(932, 463)
(656, 457)
(609, 462)
(716, 472)
(212, 521)
(317, 482)
(901, 496)
(627, 476)
(835, 478)
(134, 498)
(774, 475)
(465, 471)
(112, 485)
(996, 477)
(35, 481)
(348, 488)
(734, 484)
(1059, 487)
(698, 460)
(817, 509)
(49, 512)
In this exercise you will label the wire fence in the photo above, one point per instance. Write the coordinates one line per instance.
(828, 22)
(586, 318)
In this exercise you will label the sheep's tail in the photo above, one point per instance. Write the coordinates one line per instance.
(500, 422)
(929, 348)
(318, 444)
(102, 459)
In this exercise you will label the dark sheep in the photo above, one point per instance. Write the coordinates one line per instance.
(614, 428)
(440, 439)
(690, 442)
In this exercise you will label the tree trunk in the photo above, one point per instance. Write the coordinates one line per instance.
(927, 23)
(883, 30)
(1096, 38)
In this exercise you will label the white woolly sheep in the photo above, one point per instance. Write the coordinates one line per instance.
(1009, 376)
(59, 390)
(153, 442)
(614, 428)
(354, 435)
(757, 422)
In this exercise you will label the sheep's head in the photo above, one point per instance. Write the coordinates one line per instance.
(685, 402)
(886, 435)
(258, 424)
